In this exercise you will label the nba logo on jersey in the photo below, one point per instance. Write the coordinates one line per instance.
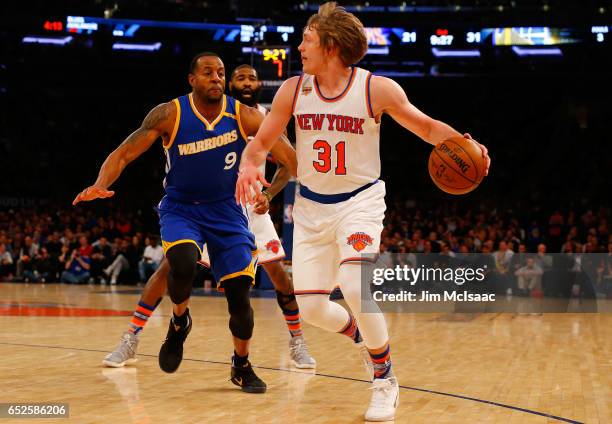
(359, 241)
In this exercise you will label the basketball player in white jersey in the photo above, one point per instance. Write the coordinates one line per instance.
(339, 211)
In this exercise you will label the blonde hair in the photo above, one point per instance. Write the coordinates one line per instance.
(340, 29)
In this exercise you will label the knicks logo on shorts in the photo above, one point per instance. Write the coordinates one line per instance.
(359, 241)
(273, 245)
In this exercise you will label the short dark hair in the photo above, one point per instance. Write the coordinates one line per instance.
(244, 66)
(194, 61)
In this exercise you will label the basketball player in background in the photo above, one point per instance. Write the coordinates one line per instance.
(339, 211)
(244, 87)
(203, 135)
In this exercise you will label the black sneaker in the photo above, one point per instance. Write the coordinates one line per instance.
(247, 380)
(171, 352)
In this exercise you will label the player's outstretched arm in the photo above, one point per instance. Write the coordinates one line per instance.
(388, 97)
(268, 134)
(158, 123)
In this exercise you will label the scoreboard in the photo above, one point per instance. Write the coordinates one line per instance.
(271, 62)
(270, 46)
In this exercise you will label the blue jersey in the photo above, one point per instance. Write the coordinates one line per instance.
(202, 157)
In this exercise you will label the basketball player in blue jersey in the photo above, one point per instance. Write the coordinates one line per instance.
(244, 87)
(203, 135)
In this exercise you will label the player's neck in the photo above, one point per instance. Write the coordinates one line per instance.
(210, 111)
(333, 79)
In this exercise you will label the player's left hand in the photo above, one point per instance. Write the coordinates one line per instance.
(247, 190)
(485, 152)
(262, 204)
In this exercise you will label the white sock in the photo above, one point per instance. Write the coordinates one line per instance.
(372, 326)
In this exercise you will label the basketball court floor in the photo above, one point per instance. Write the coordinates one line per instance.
(453, 368)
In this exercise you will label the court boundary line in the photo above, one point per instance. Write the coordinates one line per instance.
(484, 401)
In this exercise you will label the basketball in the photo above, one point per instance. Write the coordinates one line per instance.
(456, 165)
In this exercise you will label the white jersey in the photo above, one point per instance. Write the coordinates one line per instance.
(337, 138)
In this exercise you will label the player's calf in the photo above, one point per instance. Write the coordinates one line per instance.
(298, 350)
(241, 325)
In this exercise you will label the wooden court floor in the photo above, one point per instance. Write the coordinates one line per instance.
(480, 368)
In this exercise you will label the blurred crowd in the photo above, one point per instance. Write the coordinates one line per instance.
(113, 246)
(76, 248)
(523, 255)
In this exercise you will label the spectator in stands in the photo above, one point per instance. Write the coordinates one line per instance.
(544, 261)
(26, 254)
(486, 263)
(519, 259)
(69, 239)
(54, 245)
(85, 249)
(503, 256)
(100, 258)
(534, 237)
(434, 242)
(77, 268)
(151, 258)
(126, 259)
(42, 267)
(529, 277)
(6, 263)
(120, 263)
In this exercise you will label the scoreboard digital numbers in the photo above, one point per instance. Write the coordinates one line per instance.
(271, 62)
(442, 37)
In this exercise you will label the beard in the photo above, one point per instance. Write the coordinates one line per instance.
(249, 101)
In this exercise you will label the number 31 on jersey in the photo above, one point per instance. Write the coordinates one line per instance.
(325, 158)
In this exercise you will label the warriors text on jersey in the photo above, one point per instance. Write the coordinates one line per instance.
(337, 138)
(202, 157)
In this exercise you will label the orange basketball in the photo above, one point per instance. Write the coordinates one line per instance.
(456, 165)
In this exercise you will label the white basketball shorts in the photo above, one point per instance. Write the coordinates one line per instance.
(327, 235)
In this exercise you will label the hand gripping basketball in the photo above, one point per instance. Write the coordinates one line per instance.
(458, 165)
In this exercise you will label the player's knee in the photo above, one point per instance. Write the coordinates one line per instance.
(349, 276)
(311, 306)
(182, 259)
(239, 306)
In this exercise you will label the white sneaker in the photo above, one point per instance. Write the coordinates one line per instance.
(367, 360)
(299, 354)
(385, 399)
(125, 353)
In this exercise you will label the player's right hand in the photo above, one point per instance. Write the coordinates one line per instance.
(247, 190)
(91, 193)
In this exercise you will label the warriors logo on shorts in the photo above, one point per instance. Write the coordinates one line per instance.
(359, 241)
(273, 245)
